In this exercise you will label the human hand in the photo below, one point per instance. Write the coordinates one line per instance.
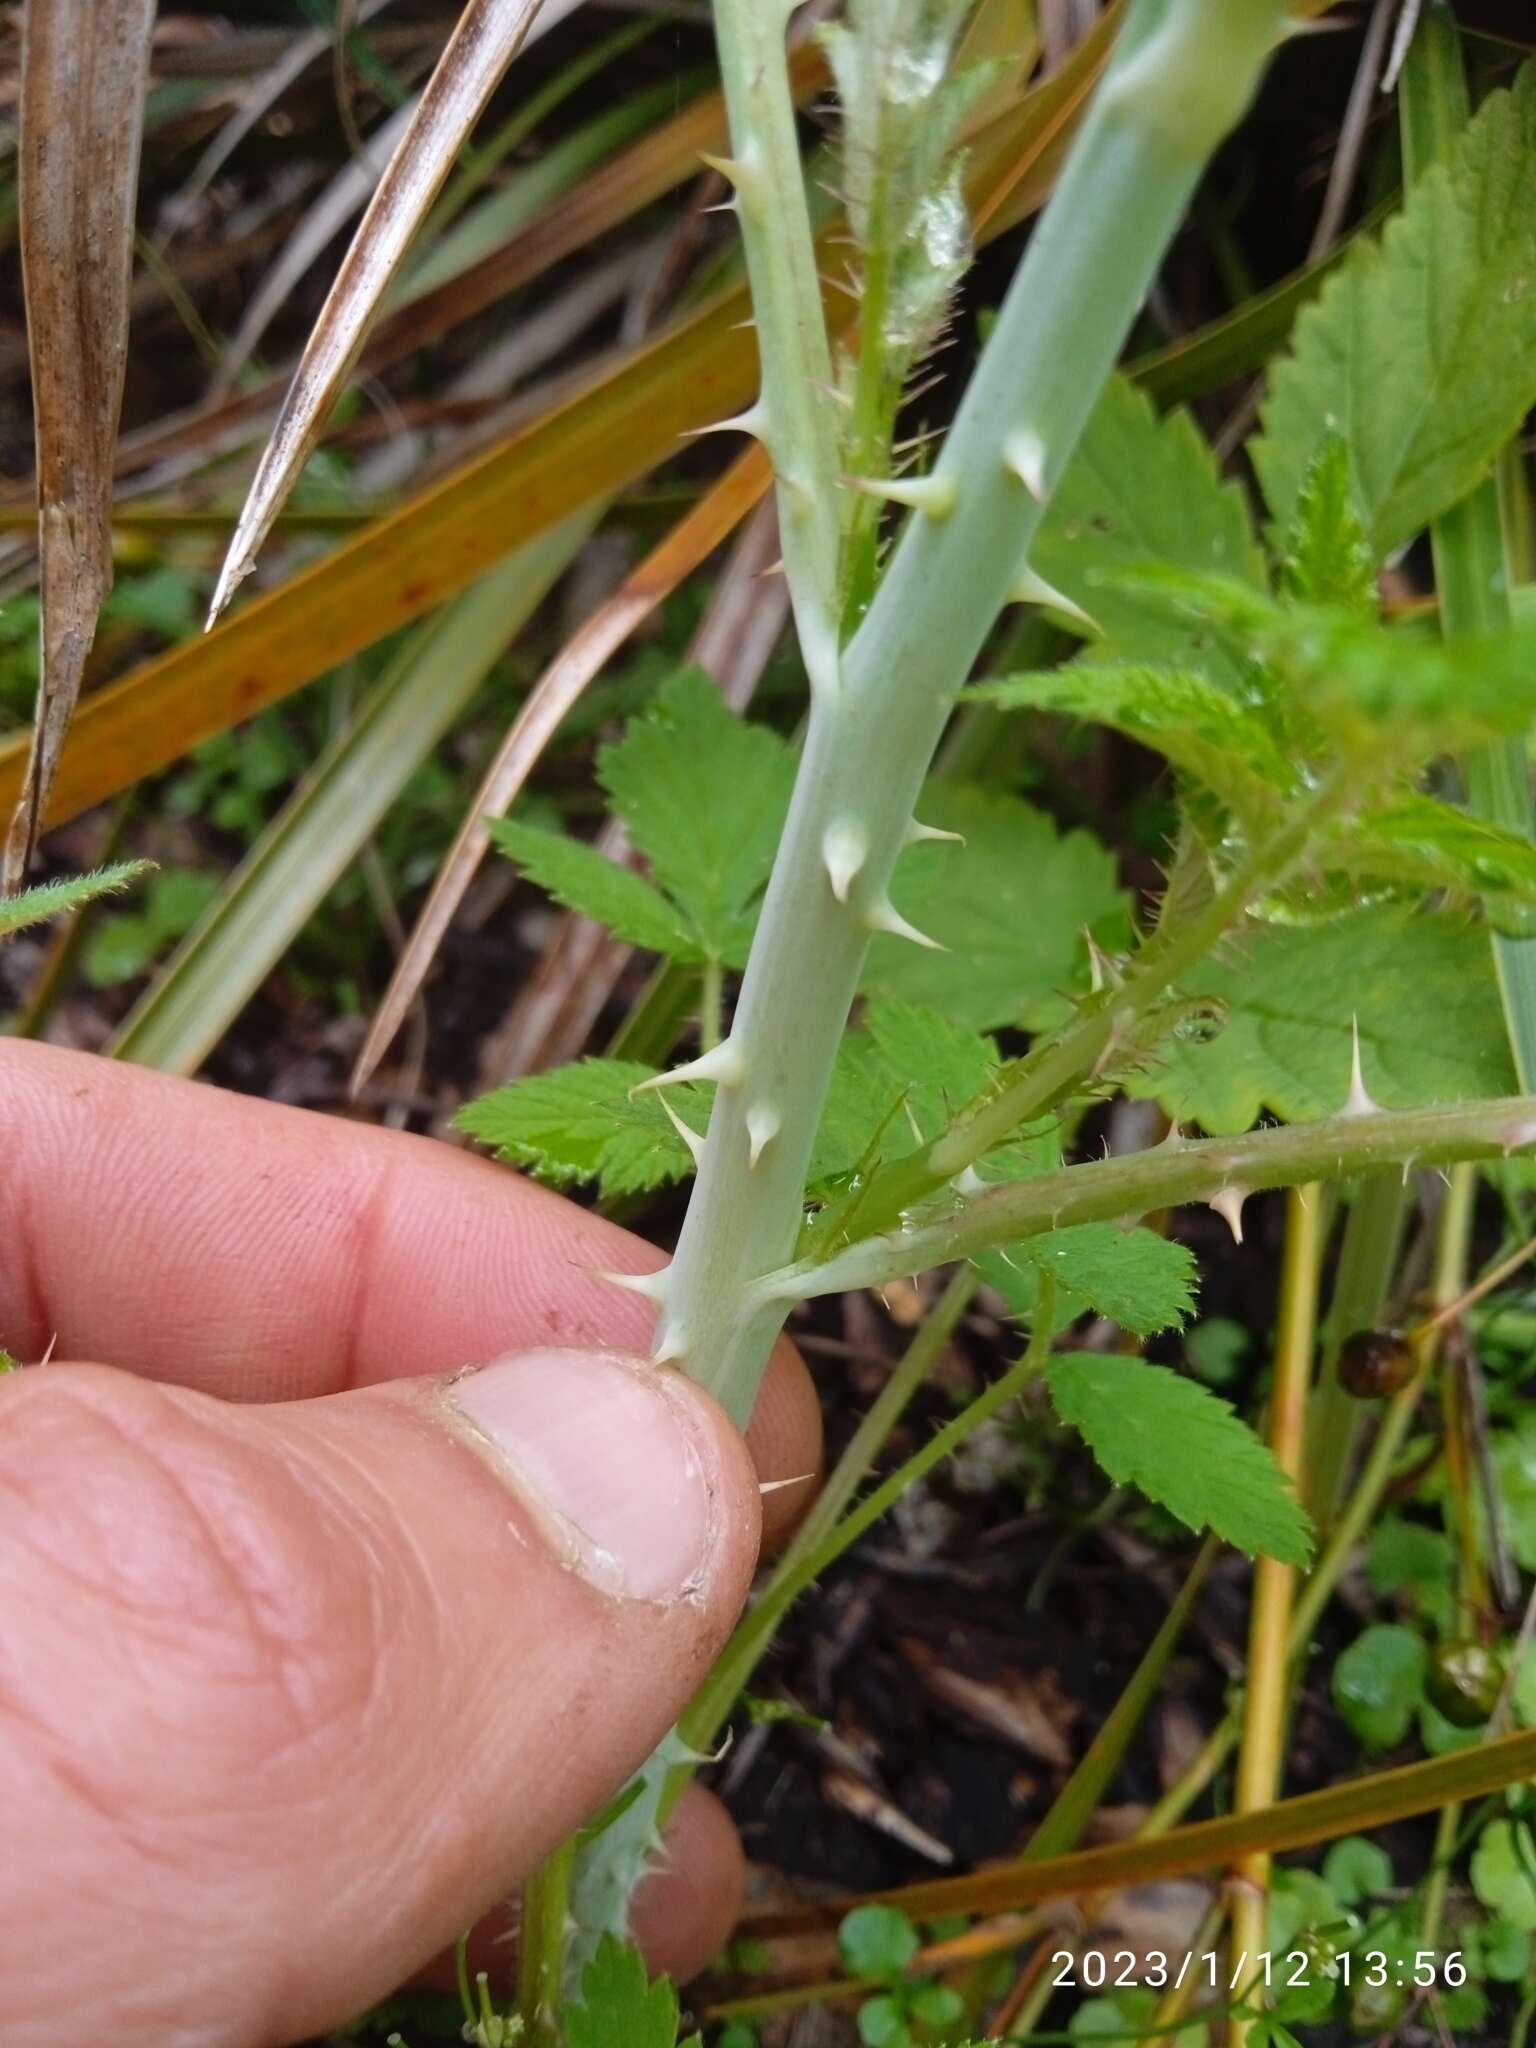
(309, 1649)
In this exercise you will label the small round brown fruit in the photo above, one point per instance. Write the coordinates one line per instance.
(1375, 1363)
(1463, 1683)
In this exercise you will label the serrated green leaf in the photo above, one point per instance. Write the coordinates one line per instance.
(703, 795)
(1137, 1278)
(584, 880)
(1434, 845)
(1183, 1448)
(1327, 556)
(1422, 348)
(1421, 988)
(1143, 488)
(1011, 905)
(52, 899)
(583, 1123)
(1204, 729)
(620, 2004)
(1504, 1872)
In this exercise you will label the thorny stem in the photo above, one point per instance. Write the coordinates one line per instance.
(1180, 78)
(1115, 1190)
(1274, 1584)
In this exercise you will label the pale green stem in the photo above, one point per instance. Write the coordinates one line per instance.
(712, 1704)
(1181, 76)
(1469, 542)
(1113, 1190)
(794, 415)
(541, 1955)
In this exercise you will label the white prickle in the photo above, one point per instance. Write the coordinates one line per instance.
(844, 850)
(1358, 1101)
(686, 1132)
(763, 1122)
(1030, 587)
(671, 1345)
(1228, 1204)
(1024, 453)
(885, 917)
(651, 1286)
(753, 421)
(722, 1064)
(745, 178)
(934, 495)
(917, 834)
(968, 1182)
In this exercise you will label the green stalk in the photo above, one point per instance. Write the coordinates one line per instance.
(1469, 542)
(1114, 1190)
(541, 1952)
(1181, 76)
(793, 417)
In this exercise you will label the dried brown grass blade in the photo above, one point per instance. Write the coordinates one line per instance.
(478, 53)
(688, 544)
(84, 66)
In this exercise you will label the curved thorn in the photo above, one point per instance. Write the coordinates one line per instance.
(1030, 587)
(753, 421)
(1228, 1204)
(651, 1286)
(885, 917)
(917, 834)
(934, 495)
(686, 1132)
(1024, 454)
(843, 852)
(670, 1348)
(721, 1063)
(968, 1182)
(762, 1128)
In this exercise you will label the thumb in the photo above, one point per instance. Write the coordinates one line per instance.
(292, 1693)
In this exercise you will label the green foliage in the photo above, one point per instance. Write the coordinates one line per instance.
(877, 1943)
(1421, 988)
(1183, 1448)
(1423, 342)
(53, 899)
(1010, 905)
(1138, 1278)
(1327, 555)
(1514, 1461)
(619, 2003)
(1504, 1872)
(1143, 488)
(584, 1122)
(1356, 1869)
(127, 944)
(1378, 1683)
(703, 796)
(1127, 2015)
(1408, 1560)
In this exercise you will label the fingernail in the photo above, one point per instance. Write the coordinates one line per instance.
(607, 1458)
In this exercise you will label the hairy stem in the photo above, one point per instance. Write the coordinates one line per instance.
(1114, 1190)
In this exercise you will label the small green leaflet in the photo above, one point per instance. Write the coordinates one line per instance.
(52, 899)
(703, 796)
(1143, 488)
(586, 881)
(620, 2007)
(1421, 988)
(583, 1123)
(1183, 1448)
(1378, 1683)
(1428, 383)
(1011, 905)
(1327, 557)
(1431, 845)
(1137, 1278)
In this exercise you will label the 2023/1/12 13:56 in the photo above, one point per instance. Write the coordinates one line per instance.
(1291, 1971)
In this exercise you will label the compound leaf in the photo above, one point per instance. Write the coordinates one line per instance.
(703, 795)
(620, 2004)
(582, 1122)
(1183, 1448)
